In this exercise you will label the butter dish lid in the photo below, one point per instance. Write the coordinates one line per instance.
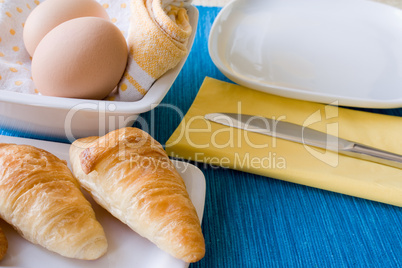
(346, 52)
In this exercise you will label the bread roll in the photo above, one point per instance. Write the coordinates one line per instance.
(129, 174)
(40, 197)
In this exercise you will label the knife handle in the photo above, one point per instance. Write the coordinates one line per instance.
(375, 155)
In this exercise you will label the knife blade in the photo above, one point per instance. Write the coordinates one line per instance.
(306, 136)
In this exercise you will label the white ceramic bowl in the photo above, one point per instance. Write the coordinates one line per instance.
(77, 118)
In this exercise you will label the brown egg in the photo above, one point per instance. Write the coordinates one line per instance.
(80, 58)
(51, 13)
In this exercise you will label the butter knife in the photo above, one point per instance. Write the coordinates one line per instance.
(305, 135)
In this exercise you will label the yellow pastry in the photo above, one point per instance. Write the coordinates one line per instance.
(129, 174)
(40, 197)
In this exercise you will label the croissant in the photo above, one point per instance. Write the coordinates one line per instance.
(41, 199)
(129, 174)
(3, 244)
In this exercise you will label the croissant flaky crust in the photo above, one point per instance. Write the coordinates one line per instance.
(41, 199)
(130, 175)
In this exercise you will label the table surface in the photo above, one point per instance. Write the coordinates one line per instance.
(254, 221)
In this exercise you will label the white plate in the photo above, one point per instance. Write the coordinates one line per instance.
(348, 51)
(126, 248)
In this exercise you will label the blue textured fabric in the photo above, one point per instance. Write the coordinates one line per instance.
(254, 221)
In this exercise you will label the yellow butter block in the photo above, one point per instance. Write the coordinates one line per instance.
(200, 140)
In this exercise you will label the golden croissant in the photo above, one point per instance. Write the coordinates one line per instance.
(41, 199)
(130, 175)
